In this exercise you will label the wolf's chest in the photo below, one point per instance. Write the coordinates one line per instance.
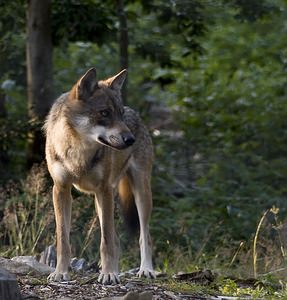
(91, 181)
(102, 171)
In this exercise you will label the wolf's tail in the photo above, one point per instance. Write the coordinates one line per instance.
(128, 206)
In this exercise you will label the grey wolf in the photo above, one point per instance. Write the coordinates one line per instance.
(101, 147)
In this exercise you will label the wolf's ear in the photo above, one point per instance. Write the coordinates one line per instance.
(116, 82)
(87, 84)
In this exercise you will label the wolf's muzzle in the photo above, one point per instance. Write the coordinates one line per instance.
(118, 142)
(128, 138)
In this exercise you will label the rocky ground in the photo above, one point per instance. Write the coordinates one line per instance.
(86, 287)
(31, 277)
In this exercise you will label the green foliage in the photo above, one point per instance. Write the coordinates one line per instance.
(224, 286)
(68, 25)
(183, 19)
(230, 162)
(12, 41)
(73, 61)
(252, 10)
(229, 287)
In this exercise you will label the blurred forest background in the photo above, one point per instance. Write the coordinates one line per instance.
(210, 80)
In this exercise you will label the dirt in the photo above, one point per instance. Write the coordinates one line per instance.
(86, 287)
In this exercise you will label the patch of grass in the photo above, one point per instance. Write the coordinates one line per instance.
(28, 215)
(186, 287)
(226, 287)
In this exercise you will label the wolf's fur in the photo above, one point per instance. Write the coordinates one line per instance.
(97, 145)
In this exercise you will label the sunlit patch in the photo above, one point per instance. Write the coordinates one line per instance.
(59, 173)
(156, 132)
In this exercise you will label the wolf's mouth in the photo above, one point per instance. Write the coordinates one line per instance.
(114, 143)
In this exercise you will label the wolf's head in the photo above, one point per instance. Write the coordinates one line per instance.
(97, 112)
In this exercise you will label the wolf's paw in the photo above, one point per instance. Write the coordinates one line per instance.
(109, 278)
(145, 272)
(57, 276)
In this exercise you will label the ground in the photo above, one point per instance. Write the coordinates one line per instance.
(200, 285)
(34, 289)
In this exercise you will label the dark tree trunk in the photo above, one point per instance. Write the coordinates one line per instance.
(3, 112)
(39, 52)
(4, 158)
(123, 43)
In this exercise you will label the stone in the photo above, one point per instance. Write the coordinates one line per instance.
(16, 267)
(132, 296)
(9, 288)
(32, 262)
(49, 256)
(78, 265)
(145, 296)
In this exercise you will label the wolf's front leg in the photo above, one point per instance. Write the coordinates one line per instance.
(62, 201)
(109, 240)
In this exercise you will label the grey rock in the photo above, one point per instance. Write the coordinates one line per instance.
(132, 296)
(145, 296)
(49, 256)
(78, 265)
(9, 288)
(32, 262)
(16, 267)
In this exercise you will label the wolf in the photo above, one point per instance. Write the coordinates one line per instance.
(101, 147)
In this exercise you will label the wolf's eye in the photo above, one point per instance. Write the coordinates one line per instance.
(104, 113)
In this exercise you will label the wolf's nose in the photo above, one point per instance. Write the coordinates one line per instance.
(128, 139)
